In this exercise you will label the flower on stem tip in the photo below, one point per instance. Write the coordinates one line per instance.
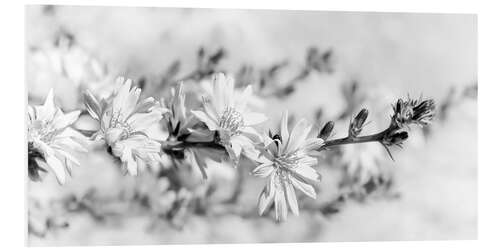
(226, 113)
(287, 164)
(411, 111)
(123, 121)
(51, 139)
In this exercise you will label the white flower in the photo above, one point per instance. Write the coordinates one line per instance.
(50, 139)
(179, 124)
(178, 120)
(253, 100)
(287, 164)
(123, 122)
(227, 113)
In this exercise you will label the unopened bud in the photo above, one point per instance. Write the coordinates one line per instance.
(356, 125)
(395, 138)
(326, 131)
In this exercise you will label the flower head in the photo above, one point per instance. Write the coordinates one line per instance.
(420, 112)
(51, 139)
(180, 126)
(123, 121)
(287, 164)
(178, 121)
(228, 115)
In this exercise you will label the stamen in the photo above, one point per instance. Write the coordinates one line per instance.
(287, 162)
(118, 122)
(231, 120)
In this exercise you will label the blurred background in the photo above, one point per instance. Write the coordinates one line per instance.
(319, 65)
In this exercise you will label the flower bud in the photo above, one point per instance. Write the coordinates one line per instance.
(326, 131)
(395, 138)
(356, 125)
(413, 112)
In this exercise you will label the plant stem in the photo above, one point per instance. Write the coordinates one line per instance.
(187, 144)
(353, 140)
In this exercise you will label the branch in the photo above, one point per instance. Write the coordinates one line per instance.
(171, 148)
(353, 140)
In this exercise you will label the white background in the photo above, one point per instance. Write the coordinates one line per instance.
(13, 98)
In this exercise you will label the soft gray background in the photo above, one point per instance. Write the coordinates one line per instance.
(401, 53)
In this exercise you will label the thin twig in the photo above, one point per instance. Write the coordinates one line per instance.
(353, 140)
(187, 144)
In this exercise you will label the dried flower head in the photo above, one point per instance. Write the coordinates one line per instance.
(287, 164)
(51, 140)
(420, 112)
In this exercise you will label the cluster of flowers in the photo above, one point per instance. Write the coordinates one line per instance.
(225, 122)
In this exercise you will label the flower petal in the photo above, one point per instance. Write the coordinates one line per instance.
(263, 170)
(280, 206)
(312, 144)
(48, 109)
(145, 105)
(210, 110)
(236, 146)
(291, 198)
(246, 145)
(143, 121)
(122, 92)
(253, 118)
(67, 156)
(265, 199)
(298, 135)
(197, 161)
(131, 101)
(202, 116)
(129, 162)
(243, 98)
(304, 187)
(284, 128)
(64, 120)
(218, 98)
(267, 196)
(307, 172)
(31, 114)
(92, 105)
(251, 133)
(57, 167)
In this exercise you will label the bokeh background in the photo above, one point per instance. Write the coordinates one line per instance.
(389, 55)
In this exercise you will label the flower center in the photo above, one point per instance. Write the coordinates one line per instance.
(287, 162)
(118, 122)
(231, 120)
(43, 131)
